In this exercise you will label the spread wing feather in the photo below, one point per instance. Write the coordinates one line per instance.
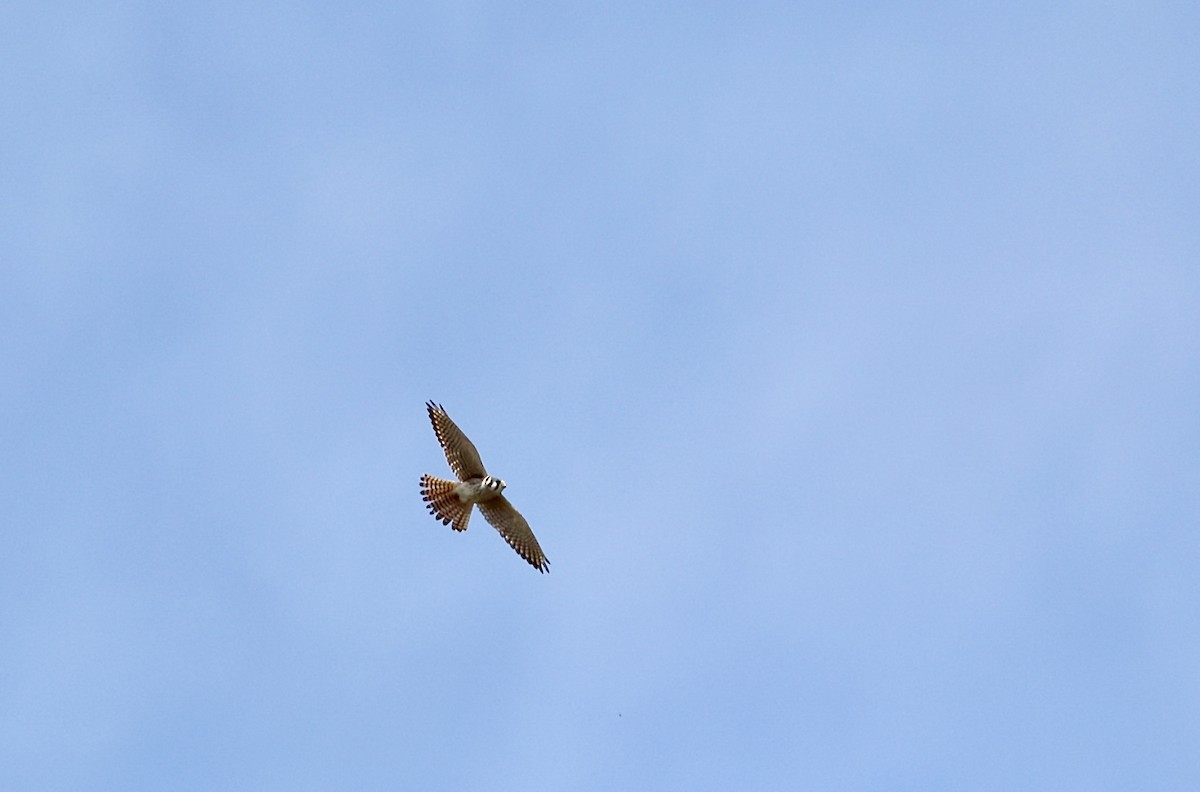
(515, 530)
(460, 452)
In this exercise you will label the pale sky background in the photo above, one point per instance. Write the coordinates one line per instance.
(845, 359)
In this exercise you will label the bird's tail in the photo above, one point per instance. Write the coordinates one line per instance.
(443, 502)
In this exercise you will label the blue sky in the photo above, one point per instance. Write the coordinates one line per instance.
(844, 358)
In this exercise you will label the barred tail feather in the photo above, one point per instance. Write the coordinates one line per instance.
(443, 502)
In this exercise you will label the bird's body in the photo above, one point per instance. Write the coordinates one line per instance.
(451, 501)
(479, 490)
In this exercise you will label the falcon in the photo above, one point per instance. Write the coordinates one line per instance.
(451, 501)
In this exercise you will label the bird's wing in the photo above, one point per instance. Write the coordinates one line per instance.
(460, 452)
(515, 530)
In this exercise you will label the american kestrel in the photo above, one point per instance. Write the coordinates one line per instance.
(451, 501)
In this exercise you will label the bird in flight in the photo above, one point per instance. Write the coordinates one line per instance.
(451, 501)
